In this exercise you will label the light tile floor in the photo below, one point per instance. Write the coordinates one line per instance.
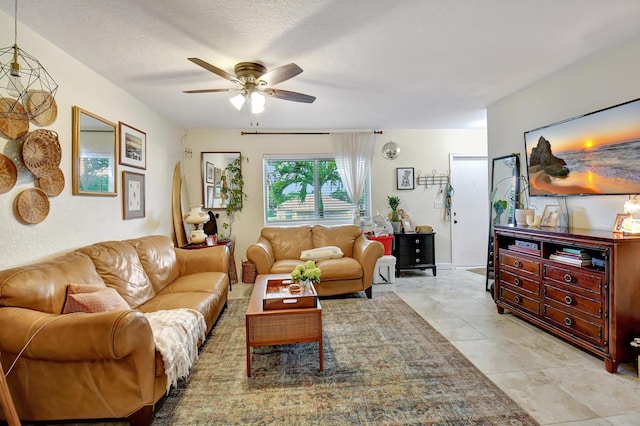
(555, 382)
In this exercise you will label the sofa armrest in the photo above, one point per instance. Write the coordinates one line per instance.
(367, 252)
(261, 254)
(210, 259)
(74, 337)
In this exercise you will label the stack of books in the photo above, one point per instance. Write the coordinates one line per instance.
(571, 256)
(526, 247)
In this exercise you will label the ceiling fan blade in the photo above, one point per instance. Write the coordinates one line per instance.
(214, 69)
(209, 90)
(280, 74)
(290, 96)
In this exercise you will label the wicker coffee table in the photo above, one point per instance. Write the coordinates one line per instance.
(268, 327)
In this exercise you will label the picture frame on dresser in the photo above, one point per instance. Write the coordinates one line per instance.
(618, 225)
(550, 215)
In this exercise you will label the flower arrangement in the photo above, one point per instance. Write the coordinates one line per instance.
(307, 272)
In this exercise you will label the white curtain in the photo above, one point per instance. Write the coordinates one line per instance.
(353, 160)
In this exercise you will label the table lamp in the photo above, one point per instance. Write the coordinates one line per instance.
(195, 217)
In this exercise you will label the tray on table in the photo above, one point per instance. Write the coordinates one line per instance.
(278, 296)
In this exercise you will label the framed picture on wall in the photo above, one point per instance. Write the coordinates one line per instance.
(405, 179)
(209, 172)
(133, 199)
(133, 146)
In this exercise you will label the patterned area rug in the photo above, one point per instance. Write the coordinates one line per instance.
(383, 364)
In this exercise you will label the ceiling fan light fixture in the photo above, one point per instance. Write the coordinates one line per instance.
(257, 103)
(237, 101)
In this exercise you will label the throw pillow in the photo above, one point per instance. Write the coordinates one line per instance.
(91, 298)
(321, 253)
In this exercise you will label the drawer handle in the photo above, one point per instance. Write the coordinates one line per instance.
(568, 278)
(417, 241)
(517, 299)
(568, 300)
(517, 264)
(568, 321)
(417, 250)
(418, 260)
(516, 281)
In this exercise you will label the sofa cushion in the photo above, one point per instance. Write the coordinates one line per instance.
(120, 267)
(158, 259)
(288, 242)
(43, 286)
(90, 299)
(321, 253)
(342, 236)
(345, 268)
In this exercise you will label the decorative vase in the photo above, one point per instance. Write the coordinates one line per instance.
(498, 219)
(397, 227)
(521, 216)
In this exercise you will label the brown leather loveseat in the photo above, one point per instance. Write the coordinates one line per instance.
(279, 249)
(105, 364)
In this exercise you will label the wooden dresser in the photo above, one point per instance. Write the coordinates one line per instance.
(581, 285)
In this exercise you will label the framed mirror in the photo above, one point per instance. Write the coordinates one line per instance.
(94, 154)
(503, 200)
(213, 170)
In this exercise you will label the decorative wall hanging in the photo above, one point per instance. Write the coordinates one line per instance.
(41, 152)
(14, 121)
(133, 146)
(8, 174)
(32, 205)
(405, 178)
(133, 198)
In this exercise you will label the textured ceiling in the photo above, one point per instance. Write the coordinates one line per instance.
(381, 64)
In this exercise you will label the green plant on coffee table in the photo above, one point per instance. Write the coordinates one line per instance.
(307, 272)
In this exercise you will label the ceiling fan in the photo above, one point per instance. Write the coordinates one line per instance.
(254, 82)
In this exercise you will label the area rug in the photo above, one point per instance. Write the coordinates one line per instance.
(481, 271)
(383, 364)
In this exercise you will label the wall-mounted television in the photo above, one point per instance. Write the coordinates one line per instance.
(593, 154)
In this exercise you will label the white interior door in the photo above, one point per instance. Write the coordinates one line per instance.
(469, 210)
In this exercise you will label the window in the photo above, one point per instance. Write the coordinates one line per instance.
(308, 189)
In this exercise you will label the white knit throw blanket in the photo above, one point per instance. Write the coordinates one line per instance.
(176, 333)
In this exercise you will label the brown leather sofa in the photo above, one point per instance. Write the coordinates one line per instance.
(101, 365)
(278, 250)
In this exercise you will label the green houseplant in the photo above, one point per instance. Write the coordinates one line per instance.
(232, 191)
(394, 202)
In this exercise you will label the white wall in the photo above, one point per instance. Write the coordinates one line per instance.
(75, 221)
(425, 150)
(590, 85)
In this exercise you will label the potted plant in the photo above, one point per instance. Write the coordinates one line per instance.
(232, 192)
(394, 202)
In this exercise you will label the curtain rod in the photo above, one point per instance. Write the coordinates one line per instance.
(377, 132)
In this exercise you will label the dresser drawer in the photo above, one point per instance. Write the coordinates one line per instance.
(522, 283)
(579, 305)
(519, 263)
(519, 301)
(585, 280)
(573, 324)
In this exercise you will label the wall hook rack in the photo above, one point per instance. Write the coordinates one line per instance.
(433, 179)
